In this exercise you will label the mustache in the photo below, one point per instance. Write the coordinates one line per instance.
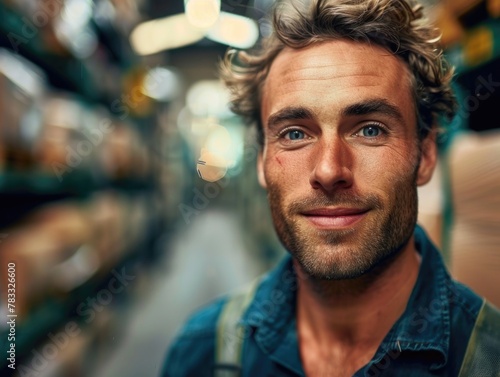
(344, 199)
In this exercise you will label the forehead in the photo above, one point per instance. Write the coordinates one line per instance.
(329, 75)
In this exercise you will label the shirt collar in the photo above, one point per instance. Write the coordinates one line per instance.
(425, 324)
(423, 327)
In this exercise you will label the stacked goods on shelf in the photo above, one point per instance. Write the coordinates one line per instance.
(76, 182)
(475, 239)
(45, 249)
(22, 86)
(68, 144)
(123, 154)
(470, 35)
(470, 30)
(61, 246)
(78, 226)
(455, 18)
(446, 19)
(472, 176)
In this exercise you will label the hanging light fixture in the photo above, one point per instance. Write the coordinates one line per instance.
(234, 30)
(202, 18)
(202, 14)
(165, 33)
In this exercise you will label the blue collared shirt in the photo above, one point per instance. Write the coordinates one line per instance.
(429, 339)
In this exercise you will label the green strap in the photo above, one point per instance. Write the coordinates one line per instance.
(230, 334)
(482, 357)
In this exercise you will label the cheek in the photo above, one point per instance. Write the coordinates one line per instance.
(285, 172)
(385, 170)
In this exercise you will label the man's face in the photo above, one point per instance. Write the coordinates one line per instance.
(341, 160)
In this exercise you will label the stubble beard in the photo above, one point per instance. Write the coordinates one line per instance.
(354, 252)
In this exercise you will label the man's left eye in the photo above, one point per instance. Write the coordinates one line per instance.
(371, 131)
(295, 135)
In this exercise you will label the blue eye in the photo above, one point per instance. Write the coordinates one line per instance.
(371, 131)
(295, 135)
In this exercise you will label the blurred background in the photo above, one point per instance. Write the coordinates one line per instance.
(128, 191)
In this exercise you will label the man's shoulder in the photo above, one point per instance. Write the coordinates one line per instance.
(464, 300)
(203, 322)
(475, 329)
(192, 351)
(482, 357)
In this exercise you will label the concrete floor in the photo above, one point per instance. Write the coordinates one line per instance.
(205, 259)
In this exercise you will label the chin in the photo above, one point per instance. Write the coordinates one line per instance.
(345, 261)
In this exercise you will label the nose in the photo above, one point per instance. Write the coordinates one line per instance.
(332, 166)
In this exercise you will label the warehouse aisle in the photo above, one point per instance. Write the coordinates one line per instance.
(205, 259)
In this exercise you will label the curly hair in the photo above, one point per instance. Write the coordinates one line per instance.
(396, 25)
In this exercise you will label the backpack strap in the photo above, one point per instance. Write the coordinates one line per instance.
(482, 357)
(230, 334)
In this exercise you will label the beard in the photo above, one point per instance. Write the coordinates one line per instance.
(340, 254)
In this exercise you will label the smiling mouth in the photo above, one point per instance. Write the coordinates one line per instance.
(335, 218)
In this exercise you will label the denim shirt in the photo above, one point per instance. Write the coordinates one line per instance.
(429, 339)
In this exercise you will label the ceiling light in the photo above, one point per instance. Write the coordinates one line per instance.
(165, 33)
(161, 84)
(233, 30)
(202, 13)
(208, 98)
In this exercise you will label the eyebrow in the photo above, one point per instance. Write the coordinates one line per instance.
(371, 106)
(289, 113)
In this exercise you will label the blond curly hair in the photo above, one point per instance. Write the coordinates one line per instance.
(396, 25)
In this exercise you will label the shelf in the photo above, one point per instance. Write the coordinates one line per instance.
(64, 72)
(480, 46)
(76, 183)
(53, 313)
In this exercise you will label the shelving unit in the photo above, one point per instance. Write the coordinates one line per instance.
(100, 209)
(470, 156)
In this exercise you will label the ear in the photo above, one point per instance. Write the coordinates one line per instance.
(260, 169)
(428, 158)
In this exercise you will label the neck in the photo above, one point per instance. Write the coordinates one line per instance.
(356, 311)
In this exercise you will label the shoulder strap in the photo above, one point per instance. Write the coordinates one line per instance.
(230, 334)
(482, 357)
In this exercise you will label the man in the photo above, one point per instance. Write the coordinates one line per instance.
(346, 95)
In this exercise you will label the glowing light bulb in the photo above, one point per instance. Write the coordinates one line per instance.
(202, 13)
(210, 167)
(151, 37)
(234, 30)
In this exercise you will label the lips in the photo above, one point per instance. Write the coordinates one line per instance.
(335, 217)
